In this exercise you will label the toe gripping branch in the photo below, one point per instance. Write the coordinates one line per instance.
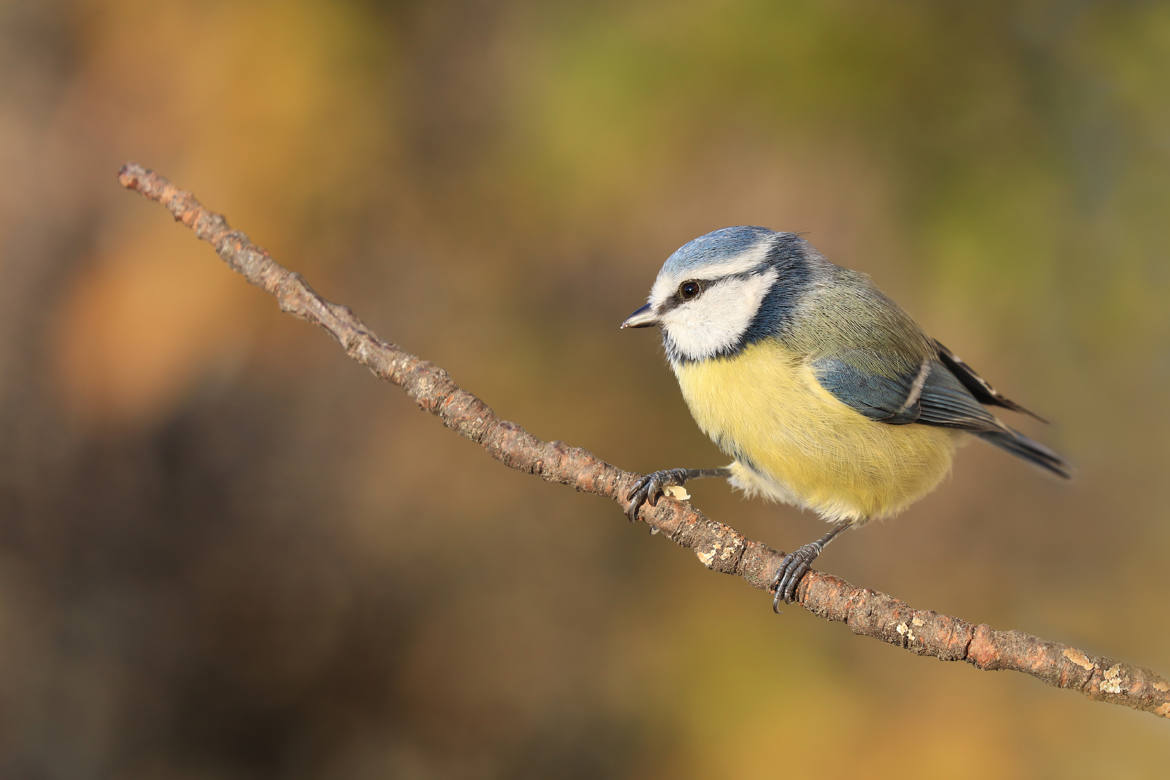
(793, 567)
(796, 564)
(650, 488)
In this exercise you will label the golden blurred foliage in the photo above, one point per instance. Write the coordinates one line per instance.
(128, 346)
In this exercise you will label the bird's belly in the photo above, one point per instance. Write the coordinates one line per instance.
(794, 442)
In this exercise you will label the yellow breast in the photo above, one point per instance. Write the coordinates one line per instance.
(794, 442)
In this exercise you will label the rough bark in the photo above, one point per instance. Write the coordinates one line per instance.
(717, 546)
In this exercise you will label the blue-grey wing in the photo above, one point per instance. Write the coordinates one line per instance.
(928, 393)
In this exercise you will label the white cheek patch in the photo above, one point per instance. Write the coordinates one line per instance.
(666, 285)
(719, 317)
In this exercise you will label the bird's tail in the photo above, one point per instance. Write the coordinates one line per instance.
(1034, 452)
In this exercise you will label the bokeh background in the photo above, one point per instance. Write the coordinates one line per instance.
(228, 552)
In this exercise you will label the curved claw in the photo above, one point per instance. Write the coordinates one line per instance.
(650, 488)
(792, 569)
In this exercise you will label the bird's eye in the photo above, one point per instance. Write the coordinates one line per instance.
(689, 290)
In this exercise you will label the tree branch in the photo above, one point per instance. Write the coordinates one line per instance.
(717, 546)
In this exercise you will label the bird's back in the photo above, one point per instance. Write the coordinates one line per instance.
(843, 311)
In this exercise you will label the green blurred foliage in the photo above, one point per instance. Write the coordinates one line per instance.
(227, 552)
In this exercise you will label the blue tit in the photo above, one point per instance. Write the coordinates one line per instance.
(824, 392)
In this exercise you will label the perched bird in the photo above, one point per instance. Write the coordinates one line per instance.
(826, 394)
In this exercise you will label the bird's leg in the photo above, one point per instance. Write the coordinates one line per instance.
(650, 487)
(796, 563)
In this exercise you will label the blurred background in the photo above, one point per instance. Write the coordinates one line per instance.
(226, 551)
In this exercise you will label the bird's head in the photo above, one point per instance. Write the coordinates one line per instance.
(722, 291)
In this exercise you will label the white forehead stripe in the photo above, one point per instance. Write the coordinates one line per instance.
(718, 318)
(666, 284)
(737, 264)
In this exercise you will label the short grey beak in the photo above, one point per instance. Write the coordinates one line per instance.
(642, 318)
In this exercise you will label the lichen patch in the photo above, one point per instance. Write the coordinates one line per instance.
(1078, 658)
(1114, 681)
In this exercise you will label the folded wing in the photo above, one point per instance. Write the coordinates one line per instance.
(941, 390)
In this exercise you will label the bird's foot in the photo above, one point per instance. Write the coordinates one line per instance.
(794, 566)
(651, 487)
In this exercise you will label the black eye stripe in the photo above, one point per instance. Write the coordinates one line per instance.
(705, 284)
